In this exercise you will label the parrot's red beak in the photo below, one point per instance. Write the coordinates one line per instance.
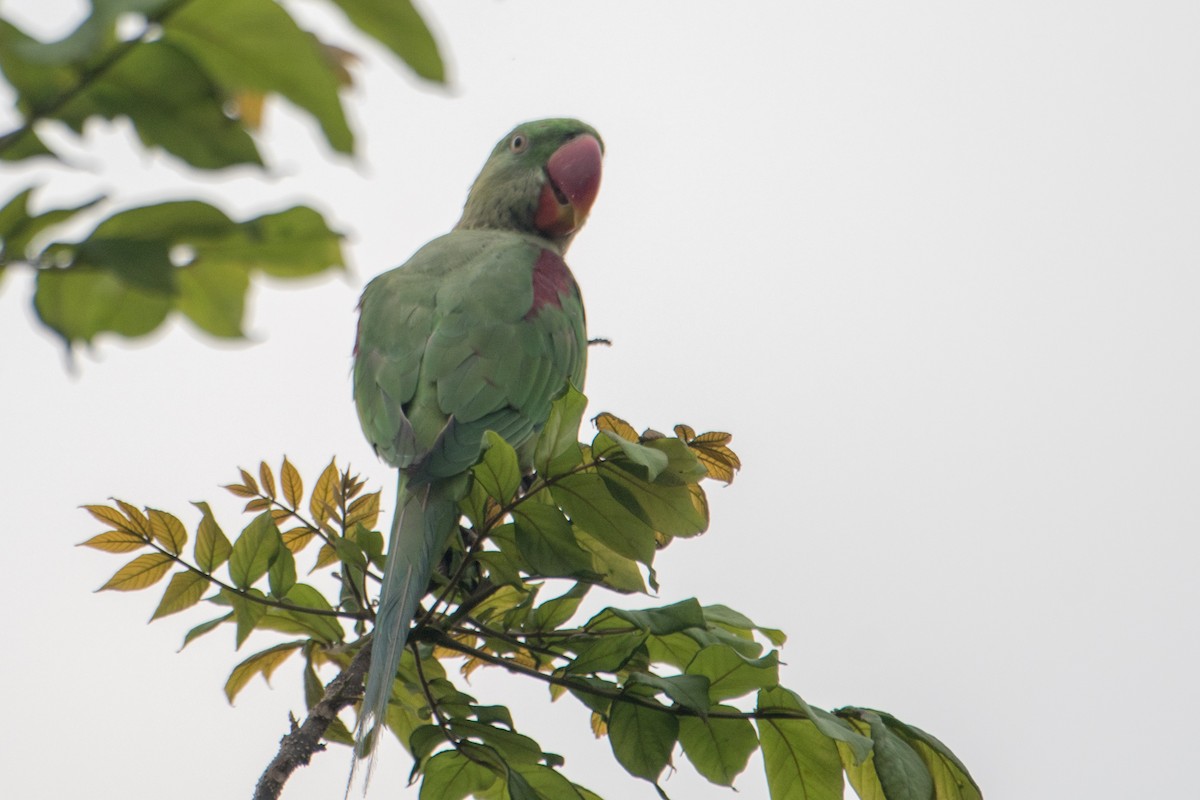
(572, 183)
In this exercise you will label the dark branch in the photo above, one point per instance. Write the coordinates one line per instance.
(297, 748)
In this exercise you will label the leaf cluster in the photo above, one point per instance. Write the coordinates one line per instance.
(684, 677)
(191, 76)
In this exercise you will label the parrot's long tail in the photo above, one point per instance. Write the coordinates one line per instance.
(424, 518)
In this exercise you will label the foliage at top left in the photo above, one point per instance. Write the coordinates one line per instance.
(191, 77)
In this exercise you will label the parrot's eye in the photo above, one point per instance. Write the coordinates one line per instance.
(518, 143)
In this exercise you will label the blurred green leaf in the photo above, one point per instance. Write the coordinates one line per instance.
(398, 26)
(256, 45)
(18, 227)
(247, 612)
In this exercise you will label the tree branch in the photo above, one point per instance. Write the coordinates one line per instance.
(297, 748)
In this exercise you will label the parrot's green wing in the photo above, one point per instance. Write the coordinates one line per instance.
(479, 330)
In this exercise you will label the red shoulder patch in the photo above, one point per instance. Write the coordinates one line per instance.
(551, 280)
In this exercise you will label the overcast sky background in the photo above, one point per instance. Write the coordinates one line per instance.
(933, 264)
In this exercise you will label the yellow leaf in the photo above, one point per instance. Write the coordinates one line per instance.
(599, 726)
(268, 479)
(143, 571)
(326, 556)
(137, 519)
(685, 432)
(714, 437)
(293, 486)
(365, 510)
(248, 107)
(298, 538)
(249, 481)
(613, 424)
(470, 665)
(240, 491)
(115, 542)
(280, 514)
(112, 517)
(168, 531)
(323, 502)
(264, 662)
(258, 504)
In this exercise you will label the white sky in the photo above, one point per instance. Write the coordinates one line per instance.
(934, 264)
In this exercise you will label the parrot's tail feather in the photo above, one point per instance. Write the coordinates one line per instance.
(423, 521)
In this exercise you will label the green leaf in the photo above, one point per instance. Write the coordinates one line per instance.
(18, 227)
(325, 628)
(184, 115)
(514, 747)
(80, 302)
(144, 571)
(647, 463)
(592, 507)
(736, 621)
(399, 27)
(544, 782)
(665, 620)
(552, 613)
(247, 613)
(671, 509)
(951, 779)
(901, 772)
(718, 748)
(731, 674)
(254, 550)
(689, 691)
(642, 738)
(282, 573)
(449, 775)
(547, 542)
(203, 628)
(212, 294)
(212, 548)
(605, 653)
(256, 45)
(617, 572)
(264, 663)
(498, 472)
(558, 439)
(833, 727)
(801, 763)
(293, 243)
(184, 591)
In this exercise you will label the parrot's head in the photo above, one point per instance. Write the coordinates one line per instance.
(541, 178)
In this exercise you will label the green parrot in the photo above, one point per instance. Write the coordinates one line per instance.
(480, 330)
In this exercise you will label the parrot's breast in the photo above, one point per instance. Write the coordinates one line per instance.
(551, 281)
